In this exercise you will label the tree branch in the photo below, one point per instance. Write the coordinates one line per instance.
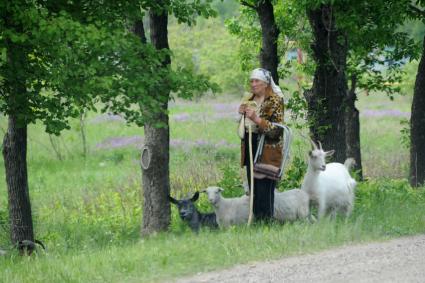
(249, 5)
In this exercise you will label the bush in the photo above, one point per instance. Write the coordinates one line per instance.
(293, 176)
(389, 207)
(231, 181)
(375, 193)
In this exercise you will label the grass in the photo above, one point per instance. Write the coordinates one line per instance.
(381, 135)
(381, 213)
(88, 210)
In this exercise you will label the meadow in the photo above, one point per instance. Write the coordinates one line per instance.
(87, 209)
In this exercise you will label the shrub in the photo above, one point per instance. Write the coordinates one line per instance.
(231, 181)
(293, 176)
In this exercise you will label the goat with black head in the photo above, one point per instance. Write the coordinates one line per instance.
(189, 214)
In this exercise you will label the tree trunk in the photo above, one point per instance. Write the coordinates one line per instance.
(156, 182)
(139, 30)
(352, 128)
(270, 33)
(326, 98)
(15, 163)
(15, 143)
(83, 133)
(417, 128)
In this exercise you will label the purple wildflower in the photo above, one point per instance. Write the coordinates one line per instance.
(117, 142)
(137, 141)
(106, 118)
(181, 117)
(384, 113)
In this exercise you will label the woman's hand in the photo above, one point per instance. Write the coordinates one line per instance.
(252, 115)
(242, 109)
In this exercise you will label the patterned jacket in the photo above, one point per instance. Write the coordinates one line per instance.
(271, 111)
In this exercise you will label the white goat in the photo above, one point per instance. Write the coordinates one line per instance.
(228, 211)
(291, 205)
(329, 186)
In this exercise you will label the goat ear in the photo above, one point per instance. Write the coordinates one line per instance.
(172, 200)
(329, 153)
(195, 197)
(220, 189)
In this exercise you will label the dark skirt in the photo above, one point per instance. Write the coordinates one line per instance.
(263, 188)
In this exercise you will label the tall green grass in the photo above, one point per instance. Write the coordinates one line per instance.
(383, 210)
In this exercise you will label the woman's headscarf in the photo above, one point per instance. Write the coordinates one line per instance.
(265, 76)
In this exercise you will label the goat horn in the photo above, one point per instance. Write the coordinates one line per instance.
(313, 144)
(320, 145)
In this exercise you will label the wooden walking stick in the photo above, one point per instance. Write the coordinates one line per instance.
(251, 169)
(251, 166)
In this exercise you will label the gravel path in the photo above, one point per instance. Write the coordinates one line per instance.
(400, 260)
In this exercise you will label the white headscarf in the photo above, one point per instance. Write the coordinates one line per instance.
(265, 76)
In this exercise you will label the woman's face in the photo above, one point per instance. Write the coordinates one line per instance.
(258, 86)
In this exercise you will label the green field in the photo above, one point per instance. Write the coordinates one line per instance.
(87, 210)
(87, 204)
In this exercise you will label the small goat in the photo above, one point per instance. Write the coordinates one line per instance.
(329, 186)
(291, 205)
(188, 213)
(229, 211)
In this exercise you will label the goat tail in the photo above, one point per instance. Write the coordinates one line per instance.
(351, 184)
(349, 163)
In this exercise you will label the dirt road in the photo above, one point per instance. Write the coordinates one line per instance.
(400, 260)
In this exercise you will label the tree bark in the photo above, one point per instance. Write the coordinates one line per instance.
(417, 128)
(15, 163)
(326, 98)
(139, 30)
(156, 182)
(352, 128)
(15, 143)
(270, 33)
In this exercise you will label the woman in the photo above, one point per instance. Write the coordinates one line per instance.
(269, 99)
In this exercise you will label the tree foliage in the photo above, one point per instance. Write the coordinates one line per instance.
(74, 57)
(372, 29)
(377, 47)
(208, 49)
(246, 27)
